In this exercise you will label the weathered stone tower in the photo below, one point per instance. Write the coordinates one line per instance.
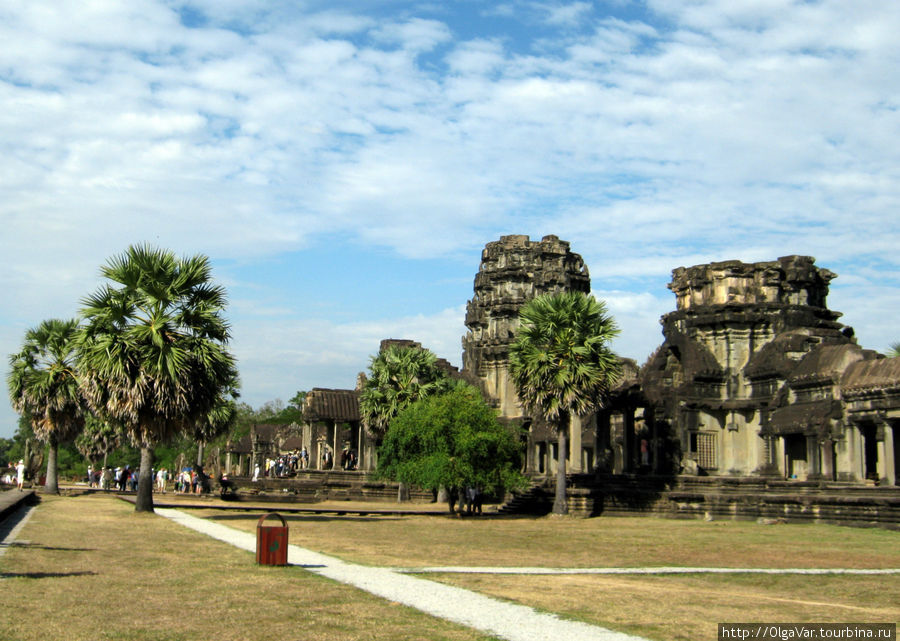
(738, 331)
(513, 270)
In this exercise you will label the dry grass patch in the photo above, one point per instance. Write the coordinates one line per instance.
(90, 568)
(417, 541)
(657, 607)
(688, 607)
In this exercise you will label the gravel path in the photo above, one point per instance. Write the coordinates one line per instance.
(492, 616)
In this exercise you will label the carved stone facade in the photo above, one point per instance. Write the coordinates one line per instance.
(749, 378)
(513, 270)
(756, 376)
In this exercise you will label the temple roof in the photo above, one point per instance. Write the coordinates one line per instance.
(339, 405)
(826, 363)
(881, 373)
(780, 356)
(807, 418)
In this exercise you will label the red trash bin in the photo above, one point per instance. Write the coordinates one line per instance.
(271, 541)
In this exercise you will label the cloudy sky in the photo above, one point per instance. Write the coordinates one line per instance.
(344, 163)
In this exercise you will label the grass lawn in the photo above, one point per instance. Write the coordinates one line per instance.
(89, 568)
(658, 607)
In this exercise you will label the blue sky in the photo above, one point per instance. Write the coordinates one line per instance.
(344, 163)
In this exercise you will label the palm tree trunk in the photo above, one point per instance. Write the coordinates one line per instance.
(51, 486)
(560, 503)
(144, 500)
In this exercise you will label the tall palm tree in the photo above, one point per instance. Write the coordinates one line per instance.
(399, 375)
(43, 382)
(561, 365)
(153, 350)
(97, 440)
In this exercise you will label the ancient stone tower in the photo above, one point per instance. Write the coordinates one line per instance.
(738, 331)
(513, 270)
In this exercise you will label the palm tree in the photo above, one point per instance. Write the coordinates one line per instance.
(97, 440)
(561, 365)
(43, 383)
(399, 376)
(153, 350)
(894, 350)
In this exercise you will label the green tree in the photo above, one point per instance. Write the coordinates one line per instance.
(894, 351)
(451, 440)
(561, 365)
(298, 401)
(153, 351)
(43, 383)
(398, 376)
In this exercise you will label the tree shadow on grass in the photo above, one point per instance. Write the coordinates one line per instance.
(305, 517)
(40, 546)
(43, 575)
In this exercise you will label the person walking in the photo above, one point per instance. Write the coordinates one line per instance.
(20, 474)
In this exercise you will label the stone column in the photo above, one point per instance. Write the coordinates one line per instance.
(780, 458)
(890, 447)
(335, 450)
(828, 459)
(885, 464)
(812, 458)
(573, 464)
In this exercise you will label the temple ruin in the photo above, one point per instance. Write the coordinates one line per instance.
(756, 382)
(755, 378)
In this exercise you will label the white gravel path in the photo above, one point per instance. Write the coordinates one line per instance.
(492, 616)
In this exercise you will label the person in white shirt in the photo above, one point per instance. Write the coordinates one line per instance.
(20, 474)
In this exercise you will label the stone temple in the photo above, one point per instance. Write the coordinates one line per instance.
(757, 402)
(756, 377)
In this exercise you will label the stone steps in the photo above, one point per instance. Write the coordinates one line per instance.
(534, 501)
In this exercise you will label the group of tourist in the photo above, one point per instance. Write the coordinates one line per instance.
(287, 464)
(15, 473)
(191, 480)
(122, 479)
(349, 460)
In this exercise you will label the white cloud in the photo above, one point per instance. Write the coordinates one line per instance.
(283, 357)
(566, 14)
(724, 130)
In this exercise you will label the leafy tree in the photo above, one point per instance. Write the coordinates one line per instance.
(399, 375)
(561, 365)
(894, 351)
(153, 351)
(298, 401)
(43, 382)
(277, 413)
(451, 440)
